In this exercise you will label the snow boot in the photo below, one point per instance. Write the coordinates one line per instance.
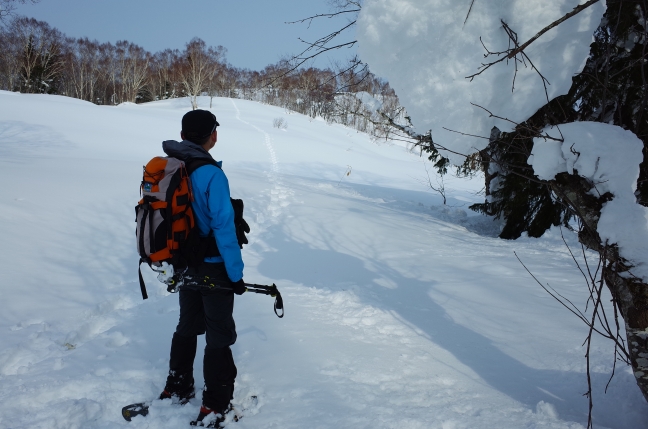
(204, 412)
(179, 386)
(180, 381)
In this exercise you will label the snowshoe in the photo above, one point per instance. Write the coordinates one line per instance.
(142, 408)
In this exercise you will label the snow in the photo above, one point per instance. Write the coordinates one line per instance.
(368, 100)
(609, 157)
(400, 312)
(425, 51)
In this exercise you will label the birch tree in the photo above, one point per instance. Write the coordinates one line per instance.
(7, 7)
(199, 67)
(40, 57)
(135, 61)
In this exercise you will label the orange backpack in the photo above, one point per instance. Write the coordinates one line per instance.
(167, 235)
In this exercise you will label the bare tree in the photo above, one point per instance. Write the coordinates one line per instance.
(114, 73)
(7, 7)
(218, 79)
(333, 41)
(163, 70)
(199, 64)
(10, 50)
(39, 51)
(134, 69)
(111, 65)
(83, 60)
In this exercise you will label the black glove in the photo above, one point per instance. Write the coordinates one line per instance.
(240, 224)
(239, 287)
(242, 228)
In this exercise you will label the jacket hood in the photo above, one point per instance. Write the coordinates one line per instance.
(185, 150)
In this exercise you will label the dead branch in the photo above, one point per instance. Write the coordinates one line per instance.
(317, 48)
(595, 284)
(576, 10)
(544, 136)
(512, 53)
(440, 188)
(469, 9)
(322, 15)
(465, 134)
(506, 55)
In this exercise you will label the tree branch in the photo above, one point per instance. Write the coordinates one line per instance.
(469, 9)
(576, 10)
(322, 15)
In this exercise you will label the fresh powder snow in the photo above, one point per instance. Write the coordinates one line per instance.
(401, 312)
(609, 157)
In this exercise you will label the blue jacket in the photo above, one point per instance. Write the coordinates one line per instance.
(211, 206)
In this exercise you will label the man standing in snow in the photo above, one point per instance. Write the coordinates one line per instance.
(205, 310)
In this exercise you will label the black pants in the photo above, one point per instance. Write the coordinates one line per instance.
(205, 310)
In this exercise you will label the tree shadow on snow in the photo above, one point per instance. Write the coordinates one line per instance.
(336, 271)
(20, 141)
(427, 203)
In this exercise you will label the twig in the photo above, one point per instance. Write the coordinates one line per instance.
(319, 46)
(465, 134)
(512, 35)
(468, 14)
(576, 10)
(595, 287)
(346, 173)
(555, 295)
(441, 186)
(322, 15)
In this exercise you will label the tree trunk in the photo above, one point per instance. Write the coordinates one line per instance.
(630, 294)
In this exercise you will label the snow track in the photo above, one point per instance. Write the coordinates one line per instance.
(279, 194)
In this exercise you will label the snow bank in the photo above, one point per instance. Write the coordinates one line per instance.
(609, 157)
(426, 51)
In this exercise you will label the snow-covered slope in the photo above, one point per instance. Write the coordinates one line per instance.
(400, 312)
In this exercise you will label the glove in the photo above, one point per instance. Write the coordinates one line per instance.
(239, 287)
(240, 224)
(242, 228)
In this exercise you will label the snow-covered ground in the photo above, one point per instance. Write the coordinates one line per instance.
(400, 312)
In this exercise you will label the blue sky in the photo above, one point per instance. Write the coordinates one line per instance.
(253, 31)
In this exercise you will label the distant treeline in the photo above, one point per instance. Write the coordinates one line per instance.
(36, 58)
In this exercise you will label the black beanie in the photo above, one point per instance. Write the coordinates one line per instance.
(198, 124)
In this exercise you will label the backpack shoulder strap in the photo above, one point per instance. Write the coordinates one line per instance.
(194, 163)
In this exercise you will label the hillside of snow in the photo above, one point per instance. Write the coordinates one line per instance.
(400, 312)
